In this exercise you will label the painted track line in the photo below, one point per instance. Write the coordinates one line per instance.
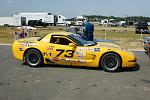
(142, 50)
(5, 44)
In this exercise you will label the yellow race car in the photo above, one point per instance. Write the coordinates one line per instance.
(71, 49)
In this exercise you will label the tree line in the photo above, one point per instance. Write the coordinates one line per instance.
(98, 18)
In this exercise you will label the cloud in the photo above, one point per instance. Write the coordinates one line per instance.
(9, 1)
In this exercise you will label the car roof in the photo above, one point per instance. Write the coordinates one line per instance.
(61, 33)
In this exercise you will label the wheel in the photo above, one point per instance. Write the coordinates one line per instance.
(111, 62)
(33, 58)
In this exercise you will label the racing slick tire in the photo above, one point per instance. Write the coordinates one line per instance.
(33, 58)
(111, 62)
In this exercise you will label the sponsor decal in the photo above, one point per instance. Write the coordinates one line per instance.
(81, 61)
(63, 59)
(55, 59)
(80, 57)
(22, 44)
(68, 60)
(96, 49)
(74, 60)
(78, 52)
(27, 44)
(50, 48)
(20, 49)
(48, 60)
(32, 44)
(80, 49)
(90, 49)
(45, 54)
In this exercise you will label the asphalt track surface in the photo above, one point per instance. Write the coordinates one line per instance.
(21, 82)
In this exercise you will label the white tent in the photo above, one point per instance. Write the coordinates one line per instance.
(26, 27)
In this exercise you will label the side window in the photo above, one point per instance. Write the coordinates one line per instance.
(60, 40)
(53, 39)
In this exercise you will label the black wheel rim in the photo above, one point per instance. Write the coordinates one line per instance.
(111, 63)
(33, 59)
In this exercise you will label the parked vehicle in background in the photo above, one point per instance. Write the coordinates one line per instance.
(63, 21)
(148, 48)
(80, 20)
(142, 27)
(146, 45)
(37, 23)
(104, 22)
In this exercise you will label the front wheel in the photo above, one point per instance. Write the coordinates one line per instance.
(111, 62)
(33, 58)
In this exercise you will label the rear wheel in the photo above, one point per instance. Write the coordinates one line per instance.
(33, 58)
(111, 62)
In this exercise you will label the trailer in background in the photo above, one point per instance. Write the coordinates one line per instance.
(12, 21)
(6, 21)
(19, 21)
(47, 18)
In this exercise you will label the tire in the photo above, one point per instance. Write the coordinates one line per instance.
(111, 62)
(33, 58)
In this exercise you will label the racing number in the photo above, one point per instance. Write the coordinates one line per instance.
(69, 53)
(61, 51)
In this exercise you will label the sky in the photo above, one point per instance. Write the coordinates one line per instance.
(73, 8)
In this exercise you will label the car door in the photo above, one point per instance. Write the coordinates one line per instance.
(62, 50)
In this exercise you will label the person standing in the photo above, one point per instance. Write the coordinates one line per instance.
(89, 29)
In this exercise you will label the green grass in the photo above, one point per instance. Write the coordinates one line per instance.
(7, 33)
(124, 36)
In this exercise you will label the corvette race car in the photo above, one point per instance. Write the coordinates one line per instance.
(66, 48)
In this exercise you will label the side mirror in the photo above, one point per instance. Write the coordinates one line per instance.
(72, 45)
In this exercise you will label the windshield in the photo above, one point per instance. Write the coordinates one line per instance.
(80, 41)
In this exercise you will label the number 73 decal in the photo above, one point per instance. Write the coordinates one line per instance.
(68, 53)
